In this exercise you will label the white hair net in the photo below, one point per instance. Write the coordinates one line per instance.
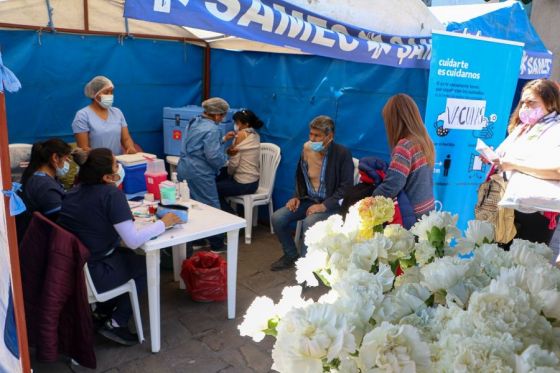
(215, 105)
(97, 84)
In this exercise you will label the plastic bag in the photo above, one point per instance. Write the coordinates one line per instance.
(528, 194)
(205, 275)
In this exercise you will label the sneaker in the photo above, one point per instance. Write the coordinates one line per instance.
(119, 334)
(285, 262)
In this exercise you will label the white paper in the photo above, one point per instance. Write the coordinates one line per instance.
(486, 151)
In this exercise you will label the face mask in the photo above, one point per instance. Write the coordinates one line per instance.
(106, 101)
(61, 171)
(121, 174)
(531, 116)
(236, 128)
(316, 146)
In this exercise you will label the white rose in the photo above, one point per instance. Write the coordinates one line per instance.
(402, 242)
(256, 318)
(444, 273)
(424, 252)
(394, 348)
(308, 335)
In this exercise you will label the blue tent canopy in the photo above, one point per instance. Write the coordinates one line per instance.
(509, 22)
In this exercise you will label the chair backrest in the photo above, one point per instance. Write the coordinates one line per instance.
(270, 159)
(356, 170)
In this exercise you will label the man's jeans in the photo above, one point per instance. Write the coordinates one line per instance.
(282, 218)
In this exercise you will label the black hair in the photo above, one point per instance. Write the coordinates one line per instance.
(41, 154)
(98, 163)
(248, 117)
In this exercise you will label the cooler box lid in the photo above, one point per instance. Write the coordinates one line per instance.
(135, 159)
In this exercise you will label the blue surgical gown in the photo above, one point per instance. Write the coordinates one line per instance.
(202, 157)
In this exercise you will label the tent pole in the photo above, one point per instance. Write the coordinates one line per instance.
(86, 15)
(19, 310)
(101, 33)
(206, 72)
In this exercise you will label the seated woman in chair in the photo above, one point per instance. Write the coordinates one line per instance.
(243, 169)
(40, 189)
(97, 212)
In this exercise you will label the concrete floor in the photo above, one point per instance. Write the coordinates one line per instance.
(198, 337)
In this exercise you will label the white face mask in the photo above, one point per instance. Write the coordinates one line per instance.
(236, 127)
(106, 101)
(121, 174)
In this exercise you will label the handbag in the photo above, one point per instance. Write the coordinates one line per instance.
(529, 194)
(487, 207)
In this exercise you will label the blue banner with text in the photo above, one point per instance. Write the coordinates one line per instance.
(471, 87)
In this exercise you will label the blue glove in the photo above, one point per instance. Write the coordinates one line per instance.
(16, 203)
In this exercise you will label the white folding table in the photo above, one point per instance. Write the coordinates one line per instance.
(204, 221)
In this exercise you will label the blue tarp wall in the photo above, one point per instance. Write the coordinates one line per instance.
(286, 91)
(54, 68)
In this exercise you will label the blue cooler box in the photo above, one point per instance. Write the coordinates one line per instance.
(175, 121)
(134, 180)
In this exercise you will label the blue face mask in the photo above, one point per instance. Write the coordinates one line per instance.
(316, 146)
(62, 171)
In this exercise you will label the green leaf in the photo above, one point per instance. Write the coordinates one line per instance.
(271, 326)
(323, 279)
(378, 229)
(430, 301)
(407, 263)
(436, 237)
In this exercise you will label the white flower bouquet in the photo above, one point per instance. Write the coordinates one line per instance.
(402, 301)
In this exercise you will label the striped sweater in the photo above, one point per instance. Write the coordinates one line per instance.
(409, 171)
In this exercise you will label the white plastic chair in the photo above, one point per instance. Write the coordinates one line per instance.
(270, 159)
(129, 287)
(298, 237)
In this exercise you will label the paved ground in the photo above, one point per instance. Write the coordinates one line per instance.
(198, 337)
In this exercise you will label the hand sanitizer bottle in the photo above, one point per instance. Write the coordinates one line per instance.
(175, 181)
(184, 190)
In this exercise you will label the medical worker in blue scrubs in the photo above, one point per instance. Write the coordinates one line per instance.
(203, 155)
(100, 125)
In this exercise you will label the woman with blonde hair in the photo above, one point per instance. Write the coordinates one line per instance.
(412, 155)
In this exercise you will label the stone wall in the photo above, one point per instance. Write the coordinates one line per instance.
(545, 17)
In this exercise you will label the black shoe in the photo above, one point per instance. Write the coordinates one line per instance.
(99, 319)
(119, 334)
(285, 262)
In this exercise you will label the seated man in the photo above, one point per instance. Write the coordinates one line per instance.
(324, 171)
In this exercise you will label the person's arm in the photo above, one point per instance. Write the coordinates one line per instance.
(233, 162)
(134, 238)
(82, 140)
(547, 172)
(126, 140)
(80, 127)
(213, 151)
(346, 180)
(397, 173)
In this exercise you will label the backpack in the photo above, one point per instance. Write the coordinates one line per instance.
(489, 194)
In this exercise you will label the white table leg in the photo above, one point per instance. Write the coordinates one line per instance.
(152, 267)
(232, 247)
(179, 254)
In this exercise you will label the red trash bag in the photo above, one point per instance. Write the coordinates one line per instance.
(205, 274)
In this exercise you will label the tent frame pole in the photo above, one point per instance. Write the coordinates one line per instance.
(17, 291)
